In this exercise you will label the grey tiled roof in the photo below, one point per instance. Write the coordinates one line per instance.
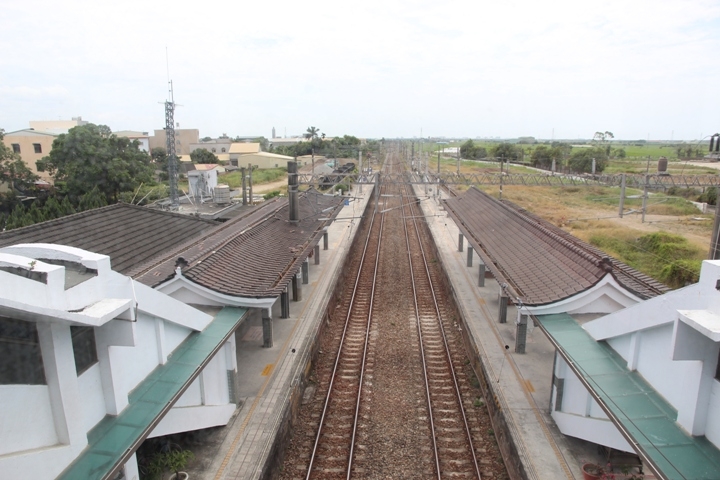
(540, 262)
(129, 234)
(251, 256)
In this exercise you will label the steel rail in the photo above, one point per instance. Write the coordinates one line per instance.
(365, 348)
(353, 297)
(422, 349)
(447, 348)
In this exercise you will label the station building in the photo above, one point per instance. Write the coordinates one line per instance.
(121, 325)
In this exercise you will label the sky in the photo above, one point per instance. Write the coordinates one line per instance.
(642, 69)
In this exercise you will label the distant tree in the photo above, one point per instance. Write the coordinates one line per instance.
(506, 151)
(13, 170)
(581, 160)
(542, 156)
(200, 155)
(471, 151)
(90, 156)
(619, 153)
(206, 139)
(602, 140)
(527, 140)
(313, 135)
(264, 143)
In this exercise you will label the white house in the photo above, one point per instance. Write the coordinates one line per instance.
(92, 363)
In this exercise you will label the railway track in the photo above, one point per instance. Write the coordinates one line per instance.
(332, 452)
(393, 394)
(452, 440)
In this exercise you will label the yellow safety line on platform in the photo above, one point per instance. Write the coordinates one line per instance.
(259, 395)
(267, 370)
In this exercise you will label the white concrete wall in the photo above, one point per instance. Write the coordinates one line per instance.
(91, 394)
(26, 418)
(44, 428)
(712, 431)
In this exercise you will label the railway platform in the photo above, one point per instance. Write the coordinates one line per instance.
(520, 382)
(243, 448)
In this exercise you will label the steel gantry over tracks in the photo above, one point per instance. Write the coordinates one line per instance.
(651, 181)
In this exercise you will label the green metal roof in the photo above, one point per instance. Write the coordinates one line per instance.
(115, 438)
(644, 417)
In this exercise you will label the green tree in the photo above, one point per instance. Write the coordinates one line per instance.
(13, 171)
(160, 157)
(67, 206)
(52, 209)
(602, 140)
(200, 155)
(542, 156)
(91, 156)
(581, 160)
(92, 199)
(312, 134)
(505, 151)
(472, 151)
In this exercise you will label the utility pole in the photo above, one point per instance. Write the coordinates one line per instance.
(250, 170)
(715, 238)
(645, 196)
(622, 196)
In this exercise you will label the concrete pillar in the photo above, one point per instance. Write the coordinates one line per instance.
(284, 304)
(306, 271)
(55, 342)
(317, 255)
(460, 242)
(296, 289)
(267, 325)
(325, 240)
(481, 275)
(521, 333)
(502, 309)
(469, 256)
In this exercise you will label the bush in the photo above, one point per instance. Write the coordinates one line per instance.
(709, 196)
(681, 273)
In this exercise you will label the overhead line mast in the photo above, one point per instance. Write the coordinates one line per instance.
(171, 151)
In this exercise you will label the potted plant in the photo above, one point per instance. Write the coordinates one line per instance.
(173, 460)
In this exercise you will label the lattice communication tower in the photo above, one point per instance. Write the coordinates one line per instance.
(171, 152)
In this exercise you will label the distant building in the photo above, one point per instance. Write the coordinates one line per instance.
(184, 137)
(260, 160)
(239, 149)
(56, 127)
(31, 145)
(216, 146)
(142, 138)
